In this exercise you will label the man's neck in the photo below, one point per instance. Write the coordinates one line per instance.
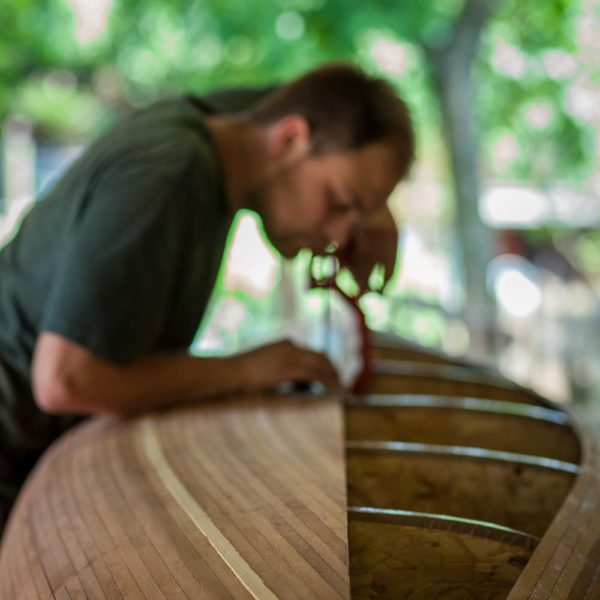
(241, 147)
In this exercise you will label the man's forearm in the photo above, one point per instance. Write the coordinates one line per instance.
(68, 378)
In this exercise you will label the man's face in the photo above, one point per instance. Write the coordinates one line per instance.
(315, 200)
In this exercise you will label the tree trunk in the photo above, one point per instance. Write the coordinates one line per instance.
(451, 67)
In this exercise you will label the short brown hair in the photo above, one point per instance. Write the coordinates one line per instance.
(345, 109)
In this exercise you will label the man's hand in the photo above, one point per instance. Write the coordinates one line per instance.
(265, 367)
(374, 242)
(68, 378)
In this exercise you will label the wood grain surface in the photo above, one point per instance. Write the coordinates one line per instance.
(506, 490)
(487, 491)
(566, 564)
(461, 425)
(231, 499)
(421, 557)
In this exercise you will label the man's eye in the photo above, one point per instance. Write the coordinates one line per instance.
(340, 206)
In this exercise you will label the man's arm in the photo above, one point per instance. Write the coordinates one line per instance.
(67, 378)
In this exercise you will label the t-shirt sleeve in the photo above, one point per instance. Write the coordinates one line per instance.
(115, 278)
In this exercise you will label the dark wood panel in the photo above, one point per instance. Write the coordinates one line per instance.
(424, 557)
(503, 490)
(462, 427)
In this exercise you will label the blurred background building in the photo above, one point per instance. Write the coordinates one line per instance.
(500, 247)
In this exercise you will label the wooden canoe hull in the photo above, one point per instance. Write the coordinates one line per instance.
(191, 503)
(454, 483)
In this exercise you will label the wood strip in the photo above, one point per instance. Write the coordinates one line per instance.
(462, 452)
(443, 522)
(566, 565)
(240, 568)
(390, 347)
(388, 351)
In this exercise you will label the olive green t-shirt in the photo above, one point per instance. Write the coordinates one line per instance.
(120, 256)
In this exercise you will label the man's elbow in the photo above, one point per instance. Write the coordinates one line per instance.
(55, 395)
(55, 375)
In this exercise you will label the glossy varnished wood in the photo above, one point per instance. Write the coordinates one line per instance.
(511, 490)
(398, 377)
(566, 563)
(246, 498)
(397, 555)
(462, 422)
(231, 499)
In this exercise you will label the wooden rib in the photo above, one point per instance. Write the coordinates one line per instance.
(403, 554)
(466, 452)
(123, 509)
(463, 422)
(521, 492)
(391, 376)
(565, 565)
(239, 567)
(552, 415)
(442, 522)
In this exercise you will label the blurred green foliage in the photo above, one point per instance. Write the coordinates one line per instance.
(68, 70)
(528, 65)
(157, 47)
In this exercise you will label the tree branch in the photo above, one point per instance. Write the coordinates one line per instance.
(466, 34)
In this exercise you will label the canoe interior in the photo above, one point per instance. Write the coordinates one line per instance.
(392, 559)
(442, 379)
(437, 442)
(463, 427)
(410, 354)
(512, 493)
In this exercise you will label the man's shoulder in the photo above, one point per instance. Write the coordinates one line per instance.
(159, 140)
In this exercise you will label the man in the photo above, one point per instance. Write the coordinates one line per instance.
(104, 286)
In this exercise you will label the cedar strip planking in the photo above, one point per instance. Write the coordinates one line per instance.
(116, 517)
(567, 562)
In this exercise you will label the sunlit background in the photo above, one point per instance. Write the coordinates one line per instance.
(500, 248)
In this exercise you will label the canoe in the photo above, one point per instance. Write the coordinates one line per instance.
(445, 481)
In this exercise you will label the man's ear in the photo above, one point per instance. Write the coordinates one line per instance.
(289, 139)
